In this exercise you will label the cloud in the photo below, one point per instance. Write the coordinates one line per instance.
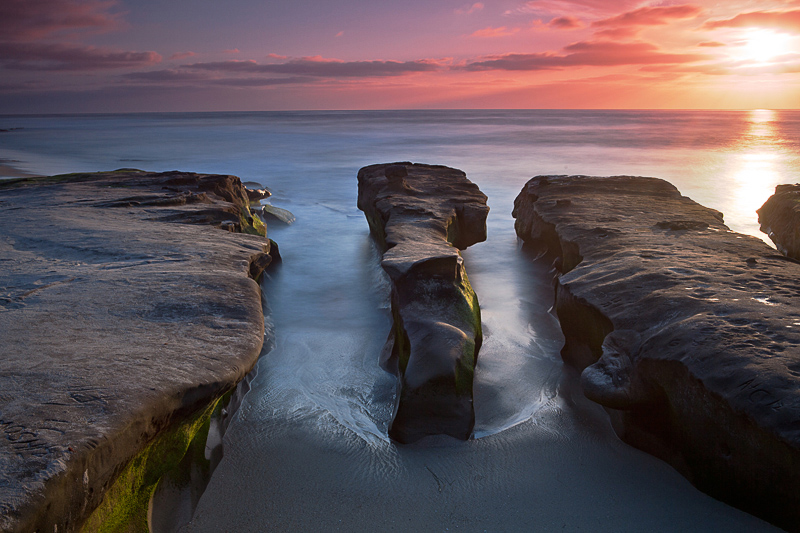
(565, 23)
(49, 57)
(778, 20)
(651, 16)
(494, 32)
(26, 20)
(469, 9)
(339, 34)
(276, 56)
(711, 44)
(585, 53)
(618, 34)
(546, 8)
(184, 77)
(182, 55)
(166, 76)
(231, 51)
(321, 67)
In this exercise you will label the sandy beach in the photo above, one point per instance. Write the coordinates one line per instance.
(564, 470)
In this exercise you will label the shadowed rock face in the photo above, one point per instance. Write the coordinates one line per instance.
(780, 219)
(421, 215)
(687, 332)
(122, 322)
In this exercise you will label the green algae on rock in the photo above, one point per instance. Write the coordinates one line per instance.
(125, 315)
(421, 215)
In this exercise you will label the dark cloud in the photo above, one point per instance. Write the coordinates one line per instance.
(321, 68)
(49, 57)
(263, 82)
(586, 53)
(166, 76)
(651, 16)
(178, 77)
(565, 23)
(778, 20)
(24, 20)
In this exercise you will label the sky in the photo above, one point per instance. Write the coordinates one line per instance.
(64, 56)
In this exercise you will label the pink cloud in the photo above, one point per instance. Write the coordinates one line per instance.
(565, 23)
(25, 20)
(276, 56)
(711, 44)
(778, 20)
(182, 55)
(490, 32)
(546, 8)
(585, 53)
(231, 51)
(48, 57)
(651, 16)
(469, 9)
(618, 34)
(339, 34)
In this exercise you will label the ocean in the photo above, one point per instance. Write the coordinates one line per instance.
(308, 448)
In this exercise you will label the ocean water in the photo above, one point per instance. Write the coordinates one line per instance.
(320, 388)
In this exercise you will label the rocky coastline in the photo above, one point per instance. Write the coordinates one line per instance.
(686, 332)
(780, 219)
(127, 314)
(421, 215)
(130, 311)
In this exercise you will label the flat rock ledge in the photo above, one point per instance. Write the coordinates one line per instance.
(687, 332)
(780, 219)
(125, 315)
(421, 215)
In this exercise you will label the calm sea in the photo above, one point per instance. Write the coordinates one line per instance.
(329, 299)
(728, 160)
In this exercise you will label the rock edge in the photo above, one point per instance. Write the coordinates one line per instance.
(688, 333)
(124, 315)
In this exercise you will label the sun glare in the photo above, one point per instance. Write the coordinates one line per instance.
(764, 45)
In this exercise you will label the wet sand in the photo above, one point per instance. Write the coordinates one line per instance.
(564, 470)
(10, 171)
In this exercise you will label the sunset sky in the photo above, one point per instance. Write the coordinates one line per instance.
(208, 55)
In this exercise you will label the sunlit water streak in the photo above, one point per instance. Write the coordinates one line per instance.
(320, 388)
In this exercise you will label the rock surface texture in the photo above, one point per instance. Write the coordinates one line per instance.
(687, 332)
(422, 215)
(124, 316)
(780, 219)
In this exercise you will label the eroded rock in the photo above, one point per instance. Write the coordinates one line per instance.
(687, 332)
(121, 326)
(422, 215)
(780, 219)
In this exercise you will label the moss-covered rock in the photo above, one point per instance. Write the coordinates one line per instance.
(420, 215)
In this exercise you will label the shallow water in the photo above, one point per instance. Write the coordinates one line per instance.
(308, 445)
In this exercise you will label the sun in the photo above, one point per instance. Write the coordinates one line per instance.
(761, 46)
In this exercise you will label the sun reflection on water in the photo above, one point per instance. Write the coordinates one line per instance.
(756, 168)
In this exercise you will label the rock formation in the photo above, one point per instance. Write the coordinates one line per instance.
(687, 332)
(422, 215)
(780, 219)
(124, 317)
